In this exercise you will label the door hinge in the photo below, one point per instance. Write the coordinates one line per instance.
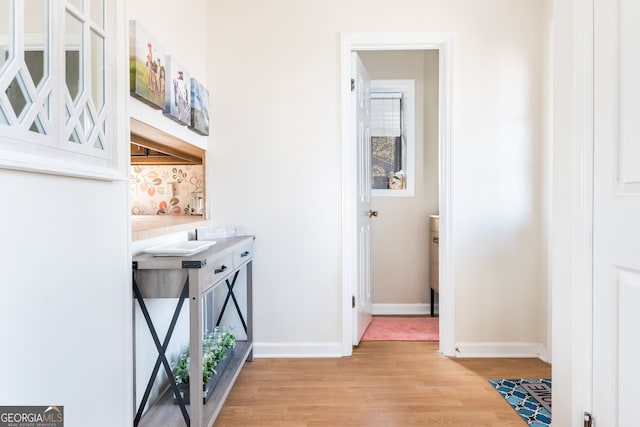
(588, 420)
(353, 85)
(353, 301)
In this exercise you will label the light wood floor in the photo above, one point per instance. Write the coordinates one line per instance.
(382, 384)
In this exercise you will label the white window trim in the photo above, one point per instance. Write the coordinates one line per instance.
(408, 90)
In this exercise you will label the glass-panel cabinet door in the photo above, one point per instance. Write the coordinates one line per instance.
(25, 65)
(85, 76)
(73, 52)
(56, 57)
(6, 33)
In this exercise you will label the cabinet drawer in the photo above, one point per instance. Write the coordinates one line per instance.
(243, 252)
(219, 268)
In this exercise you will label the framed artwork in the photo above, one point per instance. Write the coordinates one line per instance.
(146, 67)
(199, 108)
(177, 99)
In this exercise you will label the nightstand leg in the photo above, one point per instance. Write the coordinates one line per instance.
(433, 296)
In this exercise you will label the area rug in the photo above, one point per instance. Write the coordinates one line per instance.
(383, 328)
(530, 398)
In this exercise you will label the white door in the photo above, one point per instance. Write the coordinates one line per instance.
(360, 108)
(616, 214)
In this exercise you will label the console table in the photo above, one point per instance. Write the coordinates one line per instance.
(208, 281)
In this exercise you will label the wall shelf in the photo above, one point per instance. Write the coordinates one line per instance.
(154, 139)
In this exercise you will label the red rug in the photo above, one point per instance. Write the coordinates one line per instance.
(402, 329)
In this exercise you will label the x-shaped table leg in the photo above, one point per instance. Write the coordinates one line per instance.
(235, 302)
(162, 348)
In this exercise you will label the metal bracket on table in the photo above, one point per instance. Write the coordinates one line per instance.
(235, 302)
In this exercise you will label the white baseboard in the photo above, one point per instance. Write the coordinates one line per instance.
(403, 309)
(501, 349)
(470, 350)
(545, 354)
(290, 350)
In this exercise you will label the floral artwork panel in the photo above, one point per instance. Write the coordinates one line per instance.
(199, 108)
(152, 188)
(146, 67)
(177, 93)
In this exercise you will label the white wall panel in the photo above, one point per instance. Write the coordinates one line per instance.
(628, 346)
(629, 150)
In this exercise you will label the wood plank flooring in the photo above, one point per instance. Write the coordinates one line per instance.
(382, 384)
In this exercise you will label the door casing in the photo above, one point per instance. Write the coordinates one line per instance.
(443, 43)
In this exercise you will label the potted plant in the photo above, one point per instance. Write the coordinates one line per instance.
(217, 351)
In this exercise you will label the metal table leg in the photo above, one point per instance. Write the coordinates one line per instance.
(162, 348)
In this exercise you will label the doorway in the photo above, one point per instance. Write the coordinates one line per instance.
(404, 144)
(357, 42)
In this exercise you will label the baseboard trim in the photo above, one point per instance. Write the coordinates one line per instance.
(290, 350)
(470, 350)
(403, 309)
(544, 354)
(501, 349)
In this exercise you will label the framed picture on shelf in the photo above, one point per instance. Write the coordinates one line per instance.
(177, 104)
(199, 108)
(146, 67)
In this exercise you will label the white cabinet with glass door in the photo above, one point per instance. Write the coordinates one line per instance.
(58, 87)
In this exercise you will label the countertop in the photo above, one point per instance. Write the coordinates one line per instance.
(149, 226)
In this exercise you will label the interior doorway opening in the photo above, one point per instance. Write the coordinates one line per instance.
(370, 44)
(400, 247)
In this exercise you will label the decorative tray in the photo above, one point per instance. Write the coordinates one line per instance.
(187, 248)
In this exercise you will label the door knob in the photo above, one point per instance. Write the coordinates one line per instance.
(373, 213)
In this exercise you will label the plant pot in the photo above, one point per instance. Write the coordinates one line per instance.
(207, 389)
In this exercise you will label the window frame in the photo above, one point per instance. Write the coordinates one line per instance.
(407, 88)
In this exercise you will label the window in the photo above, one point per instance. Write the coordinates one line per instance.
(386, 161)
(392, 137)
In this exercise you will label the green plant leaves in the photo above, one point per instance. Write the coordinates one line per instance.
(214, 349)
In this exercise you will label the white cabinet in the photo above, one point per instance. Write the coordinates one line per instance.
(58, 87)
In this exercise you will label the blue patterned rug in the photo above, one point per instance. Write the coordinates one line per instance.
(531, 398)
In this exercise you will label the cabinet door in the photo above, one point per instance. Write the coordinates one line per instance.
(27, 81)
(56, 58)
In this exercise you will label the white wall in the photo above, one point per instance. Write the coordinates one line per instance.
(274, 70)
(65, 298)
(400, 234)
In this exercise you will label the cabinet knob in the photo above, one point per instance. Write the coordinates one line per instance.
(244, 254)
(373, 213)
(220, 270)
